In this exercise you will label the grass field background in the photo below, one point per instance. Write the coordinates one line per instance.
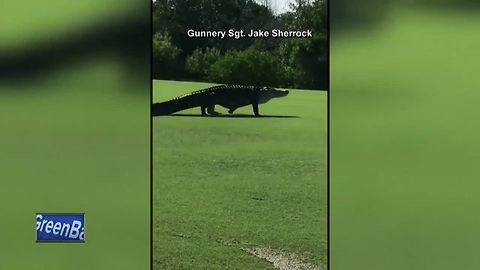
(74, 136)
(223, 183)
(77, 141)
(405, 142)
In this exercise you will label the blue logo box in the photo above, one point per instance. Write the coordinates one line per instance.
(60, 227)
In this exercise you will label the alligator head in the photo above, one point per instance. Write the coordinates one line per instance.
(267, 93)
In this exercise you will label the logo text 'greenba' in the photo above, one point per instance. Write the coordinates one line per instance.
(60, 227)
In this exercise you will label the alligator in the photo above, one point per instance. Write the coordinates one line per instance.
(231, 97)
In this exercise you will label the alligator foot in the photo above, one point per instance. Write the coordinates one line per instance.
(214, 113)
(211, 111)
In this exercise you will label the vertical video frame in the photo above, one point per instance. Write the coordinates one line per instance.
(240, 134)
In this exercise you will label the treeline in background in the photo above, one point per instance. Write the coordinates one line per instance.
(280, 62)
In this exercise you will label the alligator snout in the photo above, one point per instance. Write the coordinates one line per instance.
(283, 93)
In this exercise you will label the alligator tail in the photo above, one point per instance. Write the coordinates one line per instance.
(174, 105)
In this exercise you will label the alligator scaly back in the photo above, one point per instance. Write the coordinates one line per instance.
(228, 96)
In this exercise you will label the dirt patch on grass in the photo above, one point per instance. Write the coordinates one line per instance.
(280, 259)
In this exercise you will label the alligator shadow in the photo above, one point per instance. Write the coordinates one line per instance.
(231, 116)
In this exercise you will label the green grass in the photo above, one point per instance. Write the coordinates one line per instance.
(76, 141)
(405, 143)
(222, 183)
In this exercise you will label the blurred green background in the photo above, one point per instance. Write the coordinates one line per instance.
(75, 133)
(404, 136)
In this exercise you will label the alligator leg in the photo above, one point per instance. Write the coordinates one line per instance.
(255, 109)
(203, 110)
(211, 110)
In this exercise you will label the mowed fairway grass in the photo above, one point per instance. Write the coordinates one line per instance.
(226, 183)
